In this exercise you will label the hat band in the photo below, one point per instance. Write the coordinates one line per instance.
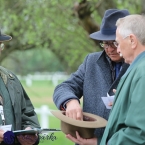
(108, 31)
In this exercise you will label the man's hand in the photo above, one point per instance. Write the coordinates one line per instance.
(1, 135)
(27, 139)
(114, 90)
(110, 104)
(82, 141)
(74, 110)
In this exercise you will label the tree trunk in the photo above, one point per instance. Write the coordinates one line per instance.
(84, 9)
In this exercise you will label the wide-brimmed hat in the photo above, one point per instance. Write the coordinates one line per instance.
(85, 127)
(108, 25)
(4, 37)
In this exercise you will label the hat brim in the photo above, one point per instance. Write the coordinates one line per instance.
(95, 122)
(4, 37)
(99, 36)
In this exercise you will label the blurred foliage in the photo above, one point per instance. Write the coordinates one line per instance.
(31, 61)
(53, 35)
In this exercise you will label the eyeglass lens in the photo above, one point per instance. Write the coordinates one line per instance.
(106, 44)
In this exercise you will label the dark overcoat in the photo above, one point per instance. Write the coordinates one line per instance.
(92, 80)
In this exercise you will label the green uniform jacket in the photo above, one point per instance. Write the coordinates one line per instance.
(23, 109)
(126, 124)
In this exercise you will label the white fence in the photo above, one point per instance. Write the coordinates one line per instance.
(54, 77)
(44, 113)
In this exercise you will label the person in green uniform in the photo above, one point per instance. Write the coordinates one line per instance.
(16, 108)
(126, 122)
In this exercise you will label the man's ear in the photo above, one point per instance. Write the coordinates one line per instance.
(133, 41)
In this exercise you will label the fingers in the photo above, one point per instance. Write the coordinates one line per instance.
(28, 128)
(75, 114)
(27, 139)
(81, 141)
(72, 138)
(1, 139)
(110, 104)
(74, 110)
(1, 135)
(79, 115)
(114, 90)
(77, 140)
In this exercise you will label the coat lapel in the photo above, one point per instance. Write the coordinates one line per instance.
(105, 68)
(115, 83)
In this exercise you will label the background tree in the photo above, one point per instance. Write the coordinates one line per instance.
(57, 30)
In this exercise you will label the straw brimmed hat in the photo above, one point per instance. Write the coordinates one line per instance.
(85, 127)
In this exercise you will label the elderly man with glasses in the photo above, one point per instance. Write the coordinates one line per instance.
(126, 124)
(98, 75)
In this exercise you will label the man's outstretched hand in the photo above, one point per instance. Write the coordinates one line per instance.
(27, 139)
(82, 141)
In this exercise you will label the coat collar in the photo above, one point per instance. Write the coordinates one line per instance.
(106, 67)
(107, 70)
(132, 66)
(5, 74)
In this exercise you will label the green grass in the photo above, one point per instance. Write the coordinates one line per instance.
(41, 93)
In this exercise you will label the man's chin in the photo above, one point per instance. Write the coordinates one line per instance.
(117, 59)
(127, 61)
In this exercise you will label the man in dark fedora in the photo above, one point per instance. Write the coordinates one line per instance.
(16, 109)
(98, 75)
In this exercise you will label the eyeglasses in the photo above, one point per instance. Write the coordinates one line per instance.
(107, 44)
(2, 46)
(116, 43)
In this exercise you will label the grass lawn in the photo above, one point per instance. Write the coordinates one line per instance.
(40, 94)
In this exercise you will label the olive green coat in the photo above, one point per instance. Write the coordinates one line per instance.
(24, 114)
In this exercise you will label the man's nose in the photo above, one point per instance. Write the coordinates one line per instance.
(110, 48)
(118, 50)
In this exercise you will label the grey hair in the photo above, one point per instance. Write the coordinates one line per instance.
(132, 24)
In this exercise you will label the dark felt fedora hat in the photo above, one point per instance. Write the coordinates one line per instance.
(85, 127)
(4, 37)
(108, 25)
